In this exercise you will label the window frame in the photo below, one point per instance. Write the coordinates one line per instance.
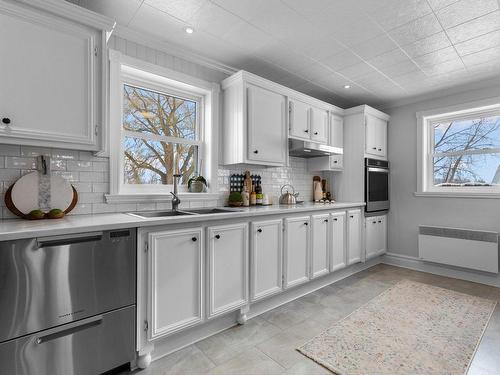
(425, 149)
(125, 70)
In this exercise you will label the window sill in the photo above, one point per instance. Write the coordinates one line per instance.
(158, 198)
(456, 194)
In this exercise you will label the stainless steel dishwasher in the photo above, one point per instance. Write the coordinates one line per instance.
(67, 303)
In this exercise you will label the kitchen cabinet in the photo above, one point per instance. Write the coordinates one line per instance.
(254, 120)
(299, 114)
(376, 136)
(266, 258)
(320, 246)
(266, 126)
(227, 268)
(319, 125)
(375, 235)
(338, 258)
(176, 263)
(336, 136)
(51, 74)
(296, 250)
(354, 236)
(326, 163)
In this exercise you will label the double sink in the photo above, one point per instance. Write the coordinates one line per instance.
(201, 211)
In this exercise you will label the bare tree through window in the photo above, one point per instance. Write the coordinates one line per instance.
(467, 152)
(160, 137)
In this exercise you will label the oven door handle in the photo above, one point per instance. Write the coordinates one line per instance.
(381, 170)
(86, 324)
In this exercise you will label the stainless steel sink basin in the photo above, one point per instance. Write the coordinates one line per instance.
(202, 211)
(160, 214)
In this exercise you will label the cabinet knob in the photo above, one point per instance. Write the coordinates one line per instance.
(6, 120)
(306, 223)
(256, 151)
(351, 216)
(335, 219)
(374, 222)
(315, 133)
(380, 149)
(380, 221)
(335, 162)
(217, 236)
(325, 221)
(259, 230)
(194, 239)
(306, 131)
(374, 148)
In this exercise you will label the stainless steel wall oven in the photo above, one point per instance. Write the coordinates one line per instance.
(376, 185)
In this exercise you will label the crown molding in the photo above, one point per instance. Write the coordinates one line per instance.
(70, 11)
(171, 48)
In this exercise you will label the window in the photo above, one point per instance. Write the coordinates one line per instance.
(160, 136)
(162, 122)
(461, 151)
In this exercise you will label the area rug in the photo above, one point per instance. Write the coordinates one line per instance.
(411, 328)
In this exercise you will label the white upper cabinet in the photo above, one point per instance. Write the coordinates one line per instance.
(266, 126)
(376, 136)
(299, 114)
(51, 79)
(319, 125)
(336, 138)
(254, 122)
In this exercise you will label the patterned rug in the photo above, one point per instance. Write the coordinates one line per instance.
(411, 328)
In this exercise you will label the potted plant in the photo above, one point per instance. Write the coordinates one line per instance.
(197, 184)
(235, 199)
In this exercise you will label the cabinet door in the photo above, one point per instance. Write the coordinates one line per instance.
(227, 268)
(382, 234)
(296, 252)
(320, 255)
(372, 237)
(337, 248)
(49, 75)
(175, 260)
(266, 259)
(319, 125)
(354, 236)
(266, 125)
(382, 138)
(299, 118)
(336, 138)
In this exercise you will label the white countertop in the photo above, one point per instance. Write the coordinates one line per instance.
(17, 228)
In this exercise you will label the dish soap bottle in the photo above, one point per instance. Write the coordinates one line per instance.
(253, 197)
(258, 194)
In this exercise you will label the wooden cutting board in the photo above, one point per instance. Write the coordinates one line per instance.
(37, 191)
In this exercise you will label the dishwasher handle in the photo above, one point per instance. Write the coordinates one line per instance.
(68, 239)
(86, 324)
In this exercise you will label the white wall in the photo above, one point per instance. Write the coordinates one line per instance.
(407, 211)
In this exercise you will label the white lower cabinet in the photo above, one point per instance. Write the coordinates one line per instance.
(227, 268)
(375, 236)
(176, 263)
(338, 256)
(320, 254)
(296, 251)
(266, 258)
(353, 236)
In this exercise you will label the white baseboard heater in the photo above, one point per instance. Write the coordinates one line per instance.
(473, 249)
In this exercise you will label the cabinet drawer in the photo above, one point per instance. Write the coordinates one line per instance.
(86, 347)
(336, 161)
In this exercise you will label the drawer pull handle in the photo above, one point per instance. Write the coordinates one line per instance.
(66, 332)
(325, 221)
(6, 120)
(256, 151)
(194, 239)
(217, 236)
(259, 230)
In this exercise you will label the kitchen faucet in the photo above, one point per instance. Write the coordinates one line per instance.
(175, 200)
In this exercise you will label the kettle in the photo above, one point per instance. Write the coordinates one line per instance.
(287, 198)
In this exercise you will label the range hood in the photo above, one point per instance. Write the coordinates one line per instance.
(307, 149)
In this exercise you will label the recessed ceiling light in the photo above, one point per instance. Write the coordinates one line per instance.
(347, 86)
(189, 30)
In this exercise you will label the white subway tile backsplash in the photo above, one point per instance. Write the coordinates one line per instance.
(65, 154)
(20, 163)
(83, 187)
(100, 187)
(100, 166)
(78, 165)
(10, 150)
(30, 151)
(9, 175)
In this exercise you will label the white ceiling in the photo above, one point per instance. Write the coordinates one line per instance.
(387, 50)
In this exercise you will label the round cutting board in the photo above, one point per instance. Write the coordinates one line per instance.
(36, 191)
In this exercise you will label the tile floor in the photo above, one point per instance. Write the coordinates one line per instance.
(266, 344)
